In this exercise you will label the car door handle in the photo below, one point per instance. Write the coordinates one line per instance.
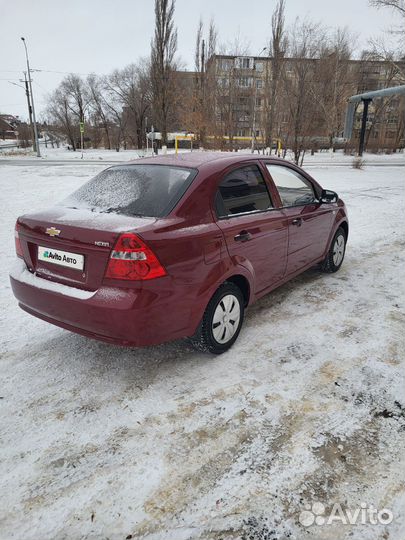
(297, 222)
(243, 236)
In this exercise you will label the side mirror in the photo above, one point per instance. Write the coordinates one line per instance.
(328, 196)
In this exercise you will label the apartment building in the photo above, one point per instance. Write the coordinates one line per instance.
(310, 92)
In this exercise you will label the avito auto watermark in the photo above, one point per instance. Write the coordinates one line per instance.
(363, 514)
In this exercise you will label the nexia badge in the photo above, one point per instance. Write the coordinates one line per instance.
(52, 231)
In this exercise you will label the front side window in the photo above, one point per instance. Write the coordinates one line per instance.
(242, 190)
(294, 189)
(134, 190)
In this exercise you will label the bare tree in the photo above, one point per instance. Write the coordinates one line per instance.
(200, 109)
(239, 46)
(68, 106)
(226, 98)
(391, 47)
(78, 98)
(194, 116)
(61, 115)
(398, 6)
(132, 87)
(210, 80)
(119, 121)
(199, 49)
(98, 105)
(164, 47)
(232, 100)
(303, 120)
(115, 105)
(212, 39)
(276, 51)
(334, 81)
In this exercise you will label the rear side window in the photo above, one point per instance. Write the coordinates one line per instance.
(242, 190)
(294, 189)
(134, 190)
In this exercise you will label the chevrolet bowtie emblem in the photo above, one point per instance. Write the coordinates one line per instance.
(52, 231)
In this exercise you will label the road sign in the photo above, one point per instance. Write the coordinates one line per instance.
(81, 127)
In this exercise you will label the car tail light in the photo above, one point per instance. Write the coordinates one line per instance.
(132, 259)
(18, 248)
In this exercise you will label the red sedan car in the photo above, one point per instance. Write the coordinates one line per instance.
(177, 246)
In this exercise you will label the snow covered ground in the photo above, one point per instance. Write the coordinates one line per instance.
(103, 442)
(55, 154)
(325, 158)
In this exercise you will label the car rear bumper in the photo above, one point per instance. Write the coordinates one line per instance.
(131, 317)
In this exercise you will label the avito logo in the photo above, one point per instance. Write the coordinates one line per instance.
(365, 513)
(55, 256)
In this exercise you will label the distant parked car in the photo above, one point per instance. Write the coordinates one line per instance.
(175, 246)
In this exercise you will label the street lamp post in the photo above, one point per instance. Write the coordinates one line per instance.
(32, 100)
(254, 104)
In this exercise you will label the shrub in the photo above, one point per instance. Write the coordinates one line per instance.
(358, 163)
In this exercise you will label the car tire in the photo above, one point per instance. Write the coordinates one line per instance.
(222, 320)
(334, 259)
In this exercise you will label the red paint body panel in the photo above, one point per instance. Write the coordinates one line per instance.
(265, 255)
(197, 250)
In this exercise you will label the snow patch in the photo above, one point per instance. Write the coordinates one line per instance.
(20, 272)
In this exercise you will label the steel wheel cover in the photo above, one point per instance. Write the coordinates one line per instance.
(338, 250)
(226, 319)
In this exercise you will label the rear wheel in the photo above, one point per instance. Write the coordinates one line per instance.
(334, 259)
(222, 320)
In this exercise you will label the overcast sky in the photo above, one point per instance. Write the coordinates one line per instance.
(85, 36)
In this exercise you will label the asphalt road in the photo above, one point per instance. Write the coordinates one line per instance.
(47, 162)
(60, 162)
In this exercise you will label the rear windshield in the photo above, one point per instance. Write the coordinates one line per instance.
(134, 190)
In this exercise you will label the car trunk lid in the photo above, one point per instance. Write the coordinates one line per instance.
(72, 246)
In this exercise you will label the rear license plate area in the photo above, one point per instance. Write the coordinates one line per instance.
(61, 258)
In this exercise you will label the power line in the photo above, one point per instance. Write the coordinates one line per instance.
(40, 86)
(60, 72)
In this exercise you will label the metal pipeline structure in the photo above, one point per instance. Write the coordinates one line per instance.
(366, 97)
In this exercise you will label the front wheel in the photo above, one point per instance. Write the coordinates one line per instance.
(222, 320)
(334, 259)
